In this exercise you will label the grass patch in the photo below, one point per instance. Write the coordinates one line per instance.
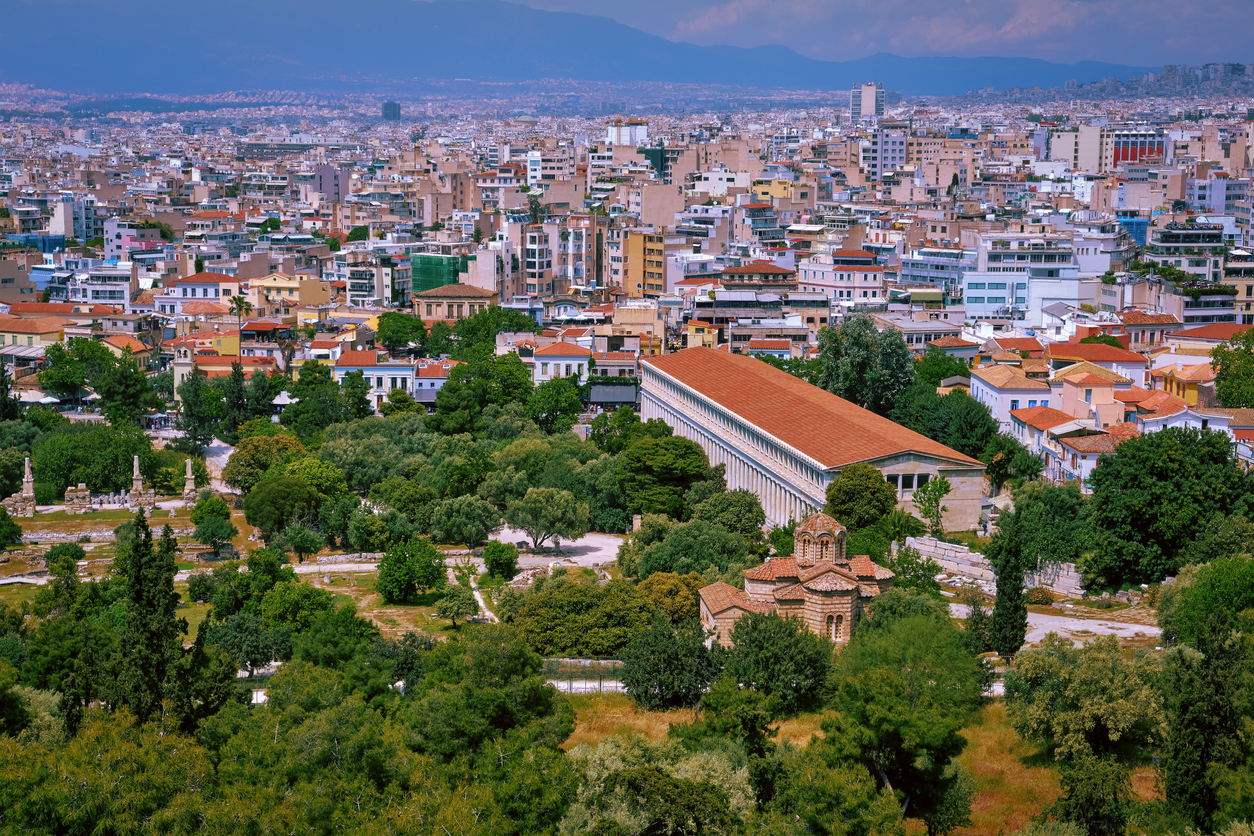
(969, 539)
(16, 594)
(598, 716)
(1015, 781)
(121, 515)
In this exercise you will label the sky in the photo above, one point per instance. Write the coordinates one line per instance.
(1135, 32)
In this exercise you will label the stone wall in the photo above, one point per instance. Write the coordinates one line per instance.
(1061, 578)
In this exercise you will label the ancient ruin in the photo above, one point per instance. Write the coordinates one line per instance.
(23, 504)
(140, 497)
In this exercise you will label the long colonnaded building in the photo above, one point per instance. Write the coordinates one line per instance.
(786, 440)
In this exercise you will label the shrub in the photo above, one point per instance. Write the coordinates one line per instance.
(1039, 596)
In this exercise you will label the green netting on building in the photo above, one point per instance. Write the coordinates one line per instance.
(432, 270)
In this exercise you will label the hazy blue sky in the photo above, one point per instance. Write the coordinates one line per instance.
(1136, 32)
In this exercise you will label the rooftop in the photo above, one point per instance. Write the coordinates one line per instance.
(830, 430)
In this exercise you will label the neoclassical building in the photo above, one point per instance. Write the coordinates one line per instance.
(786, 440)
(819, 584)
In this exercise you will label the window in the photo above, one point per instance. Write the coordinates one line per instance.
(907, 481)
(378, 383)
(1014, 405)
(924, 478)
(1088, 395)
(544, 368)
(892, 479)
(1031, 404)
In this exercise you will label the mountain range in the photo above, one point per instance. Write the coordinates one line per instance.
(157, 46)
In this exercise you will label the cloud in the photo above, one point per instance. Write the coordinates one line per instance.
(1138, 32)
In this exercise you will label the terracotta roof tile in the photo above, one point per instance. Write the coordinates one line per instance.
(719, 597)
(1216, 331)
(1008, 377)
(1143, 318)
(1041, 417)
(816, 423)
(1092, 352)
(1087, 368)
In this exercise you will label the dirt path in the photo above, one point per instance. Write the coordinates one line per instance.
(1076, 629)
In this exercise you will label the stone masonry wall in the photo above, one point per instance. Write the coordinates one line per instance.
(1061, 579)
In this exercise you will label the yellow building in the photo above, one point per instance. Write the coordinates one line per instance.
(278, 294)
(702, 334)
(1182, 381)
(644, 263)
(43, 330)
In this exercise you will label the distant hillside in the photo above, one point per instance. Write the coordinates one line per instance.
(157, 46)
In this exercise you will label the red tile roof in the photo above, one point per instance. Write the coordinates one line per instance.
(950, 341)
(1143, 318)
(757, 267)
(1041, 417)
(1028, 344)
(1217, 331)
(770, 345)
(830, 430)
(1092, 352)
(358, 359)
(563, 349)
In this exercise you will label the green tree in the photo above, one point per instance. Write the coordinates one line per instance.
(324, 477)
(475, 385)
(678, 596)
(125, 391)
(399, 402)
(464, 519)
(555, 405)
(738, 511)
(200, 413)
(693, 547)
(358, 233)
(215, 531)
(544, 513)
(235, 407)
(859, 497)
(272, 505)
(779, 657)
(1221, 590)
(1085, 702)
(1101, 339)
(501, 559)
(258, 454)
(210, 506)
(10, 531)
(1005, 459)
(936, 365)
(864, 365)
(301, 541)
(458, 602)
(1233, 361)
(579, 617)
(928, 500)
(241, 307)
(10, 409)
(1199, 694)
(1154, 496)
(407, 568)
(1046, 527)
(902, 696)
(1096, 795)
(668, 666)
(613, 432)
(151, 639)
(355, 396)
(397, 331)
(911, 570)
(656, 473)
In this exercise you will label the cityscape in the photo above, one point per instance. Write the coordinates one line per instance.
(520, 417)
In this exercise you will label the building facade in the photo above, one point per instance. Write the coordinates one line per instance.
(786, 441)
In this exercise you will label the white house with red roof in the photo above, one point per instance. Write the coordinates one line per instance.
(382, 373)
(430, 377)
(560, 359)
(174, 294)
